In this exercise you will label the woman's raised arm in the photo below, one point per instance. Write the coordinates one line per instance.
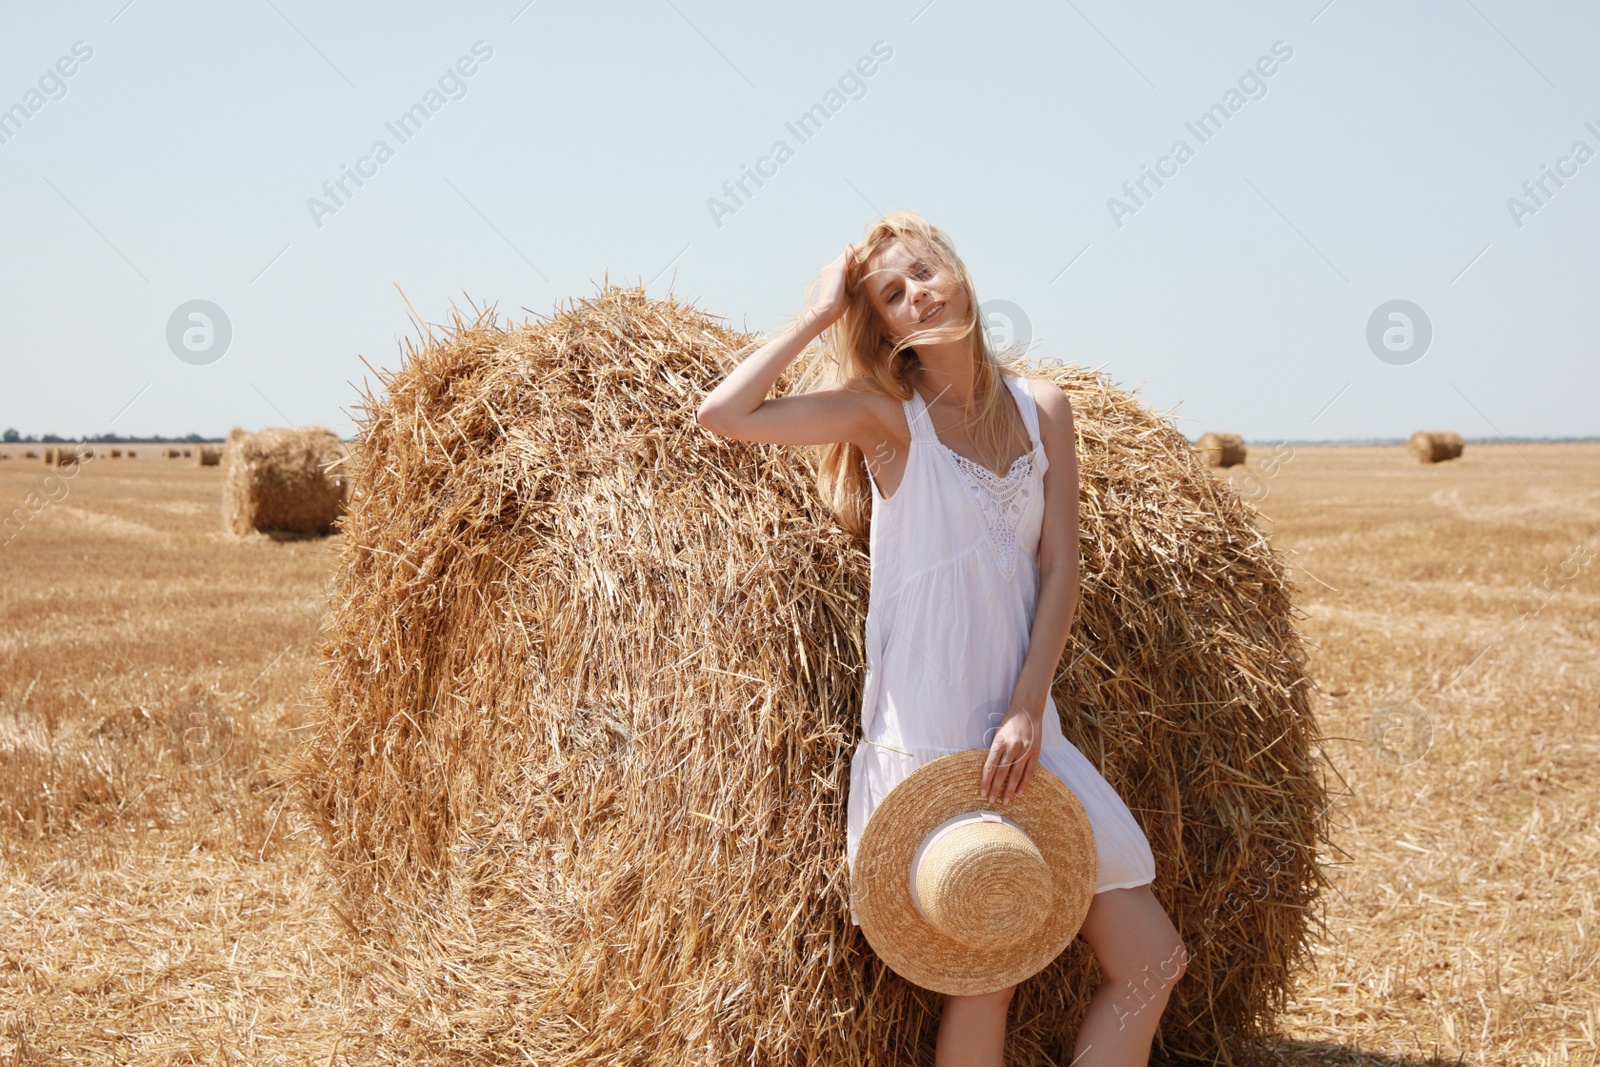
(739, 408)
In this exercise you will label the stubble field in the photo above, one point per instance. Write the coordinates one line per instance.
(161, 899)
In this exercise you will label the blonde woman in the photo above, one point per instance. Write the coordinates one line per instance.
(966, 477)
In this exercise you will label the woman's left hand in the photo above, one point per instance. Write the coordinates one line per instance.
(1014, 753)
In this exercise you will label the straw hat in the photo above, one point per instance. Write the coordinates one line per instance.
(961, 898)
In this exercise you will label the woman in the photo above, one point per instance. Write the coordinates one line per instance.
(971, 477)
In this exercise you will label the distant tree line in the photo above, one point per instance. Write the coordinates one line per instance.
(12, 437)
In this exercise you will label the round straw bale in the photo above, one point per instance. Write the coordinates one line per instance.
(172, 453)
(116, 453)
(1221, 449)
(282, 481)
(1435, 446)
(62, 455)
(208, 456)
(590, 689)
(30, 454)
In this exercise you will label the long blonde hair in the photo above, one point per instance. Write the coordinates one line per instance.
(857, 353)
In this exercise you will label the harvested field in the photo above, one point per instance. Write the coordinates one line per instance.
(103, 449)
(162, 901)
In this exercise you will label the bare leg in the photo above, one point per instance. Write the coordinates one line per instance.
(1141, 957)
(972, 1030)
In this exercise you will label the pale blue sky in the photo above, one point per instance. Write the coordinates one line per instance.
(178, 163)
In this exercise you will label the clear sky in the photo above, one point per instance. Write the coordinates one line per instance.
(180, 158)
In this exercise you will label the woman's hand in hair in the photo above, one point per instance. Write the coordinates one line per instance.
(832, 293)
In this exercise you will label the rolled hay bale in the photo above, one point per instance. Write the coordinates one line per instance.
(133, 453)
(30, 454)
(282, 481)
(1221, 449)
(1435, 446)
(116, 453)
(208, 456)
(591, 683)
(62, 455)
(172, 453)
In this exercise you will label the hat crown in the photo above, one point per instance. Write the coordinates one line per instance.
(983, 883)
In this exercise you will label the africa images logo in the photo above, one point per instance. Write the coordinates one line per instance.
(52, 86)
(451, 85)
(1399, 332)
(851, 85)
(1251, 86)
(199, 332)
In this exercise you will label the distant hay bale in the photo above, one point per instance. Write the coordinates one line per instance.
(280, 481)
(591, 684)
(208, 456)
(30, 454)
(188, 453)
(116, 453)
(61, 455)
(172, 453)
(1435, 446)
(133, 454)
(1221, 449)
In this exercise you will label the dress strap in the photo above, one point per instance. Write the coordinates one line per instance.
(1022, 389)
(917, 419)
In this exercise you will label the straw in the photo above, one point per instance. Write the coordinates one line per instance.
(591, 684)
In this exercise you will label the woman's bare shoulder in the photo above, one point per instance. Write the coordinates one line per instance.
(1050, 397)
(871, 393)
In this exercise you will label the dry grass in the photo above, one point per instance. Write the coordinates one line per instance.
(155, 911)
(1465, 918)
(156, 905)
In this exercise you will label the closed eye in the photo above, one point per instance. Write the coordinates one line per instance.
(921, 271)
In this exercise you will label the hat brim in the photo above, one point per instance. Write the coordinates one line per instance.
(881, 887)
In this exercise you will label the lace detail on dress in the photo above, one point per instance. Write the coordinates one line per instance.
(1001, 501)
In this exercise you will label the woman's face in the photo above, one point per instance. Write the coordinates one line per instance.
(908, 296)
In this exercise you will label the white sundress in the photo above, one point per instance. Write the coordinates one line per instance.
(954, 584)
